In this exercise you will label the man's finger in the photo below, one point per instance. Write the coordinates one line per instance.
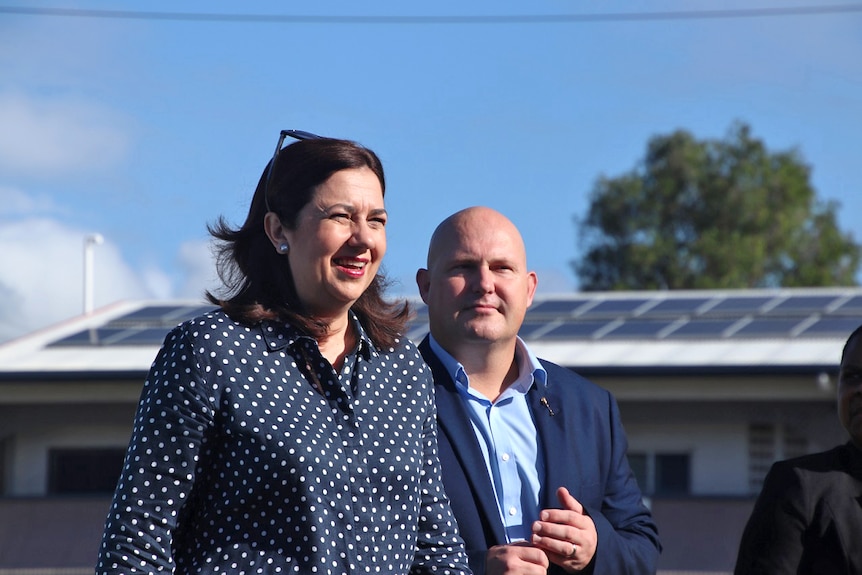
(569, 502)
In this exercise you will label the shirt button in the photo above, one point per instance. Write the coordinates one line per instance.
(505, 457)
(513, 511)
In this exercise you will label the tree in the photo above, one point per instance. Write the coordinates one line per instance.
(713, 214)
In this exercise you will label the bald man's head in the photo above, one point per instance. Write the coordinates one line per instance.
(476, 220)
(477, 285)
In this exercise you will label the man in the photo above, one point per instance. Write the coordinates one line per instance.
(533, 455)
(808, 517)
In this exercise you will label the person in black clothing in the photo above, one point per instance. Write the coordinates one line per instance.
(808, 516)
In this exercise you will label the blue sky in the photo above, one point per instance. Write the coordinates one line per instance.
(146, 129)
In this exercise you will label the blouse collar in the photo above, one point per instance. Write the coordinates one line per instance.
(282, 335)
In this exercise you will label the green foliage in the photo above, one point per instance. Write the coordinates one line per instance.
(713, 214)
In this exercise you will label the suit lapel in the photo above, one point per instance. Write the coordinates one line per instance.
(552, 439)
(454, 423)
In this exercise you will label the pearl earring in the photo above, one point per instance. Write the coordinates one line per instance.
(284, 248)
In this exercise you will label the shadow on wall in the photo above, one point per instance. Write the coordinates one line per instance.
(700, 535)
(60, 536)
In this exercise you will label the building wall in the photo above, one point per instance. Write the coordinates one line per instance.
(718, 452)
(31, 431)
(57, 533)
(700, 530)
(717, 435)
(700, 534)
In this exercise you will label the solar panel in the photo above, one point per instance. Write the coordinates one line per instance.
(614, 307)
(833, 326)
(86, 337)
(162, 314)
(556, 307)
(591, 316)
(145, 326)
(191, 312)
(638, 329)
(149, 313)
(797, 304)
(148, 336)
(702, 328)
(772, 327)
(105, 336)
(852, 305)
(676, 306)
(575, 329)
(738, 305)
(530, 327)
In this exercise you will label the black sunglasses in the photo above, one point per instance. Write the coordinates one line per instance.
(295, 134)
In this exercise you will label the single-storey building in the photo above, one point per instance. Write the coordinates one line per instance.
(713, 386)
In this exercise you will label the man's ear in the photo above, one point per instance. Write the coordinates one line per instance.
(532, 282)
(423, 281)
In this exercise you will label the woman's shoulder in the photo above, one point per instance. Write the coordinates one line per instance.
(400, 346)
(214, 325)
(402, 353)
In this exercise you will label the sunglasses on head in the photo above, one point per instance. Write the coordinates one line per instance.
(295, 134)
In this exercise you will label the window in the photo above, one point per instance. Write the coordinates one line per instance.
(671, 473)
(82, 471)
(662, 473)
(767, 443)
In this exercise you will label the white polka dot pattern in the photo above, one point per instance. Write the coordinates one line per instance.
(237, 464)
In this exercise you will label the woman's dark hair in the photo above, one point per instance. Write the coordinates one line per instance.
(257, 279)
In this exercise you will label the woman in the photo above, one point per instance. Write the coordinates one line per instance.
(292, 430)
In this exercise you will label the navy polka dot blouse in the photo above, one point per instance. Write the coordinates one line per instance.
(251, 454)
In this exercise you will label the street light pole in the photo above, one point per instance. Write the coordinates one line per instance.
(90, 242)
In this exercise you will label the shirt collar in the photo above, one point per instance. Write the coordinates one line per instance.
(281, 335)
(527, 364)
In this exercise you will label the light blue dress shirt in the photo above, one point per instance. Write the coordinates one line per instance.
(507, 436)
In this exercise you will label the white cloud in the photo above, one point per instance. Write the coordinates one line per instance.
(157, 282)
(41, 275)
(197, 262)
(14, 202)
(49, 137)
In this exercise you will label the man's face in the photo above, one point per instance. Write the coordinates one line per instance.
(850, 391)
(477, 286)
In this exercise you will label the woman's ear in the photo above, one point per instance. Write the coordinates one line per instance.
(275, 231)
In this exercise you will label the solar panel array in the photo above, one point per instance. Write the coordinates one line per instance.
(146, 326)
(605, 316)
(686, 315)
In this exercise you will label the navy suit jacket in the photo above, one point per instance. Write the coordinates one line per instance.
(584, 449)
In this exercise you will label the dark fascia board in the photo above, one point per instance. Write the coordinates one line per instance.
(137, 376)
(703, 370)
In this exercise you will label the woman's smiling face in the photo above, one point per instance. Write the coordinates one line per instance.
(338, 242)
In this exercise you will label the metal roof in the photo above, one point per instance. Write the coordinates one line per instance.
(702, 330)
